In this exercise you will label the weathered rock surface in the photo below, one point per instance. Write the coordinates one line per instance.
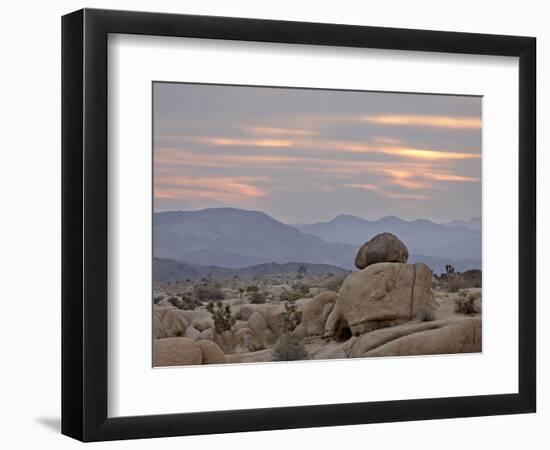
(211, 353)
(176, 351)
(168, 321)
(460, 335)
(382, 295)
(202, 324)
(207, 335)
(384, 247)
(192, 333)
(316, 312)
(257, 323)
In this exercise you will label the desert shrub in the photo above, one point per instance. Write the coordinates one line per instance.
(290, 317)
(464, 304)
(289, 347)
(251, 289)
(157, 298)
(187, 301)
(426, 314)
(223, 319)
(205, 292)
(257, 298)
(290, 296)
(301, 288)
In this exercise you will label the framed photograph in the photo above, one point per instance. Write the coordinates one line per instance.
(272, 224)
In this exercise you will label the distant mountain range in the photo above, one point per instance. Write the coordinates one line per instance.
(170, 270)
(231, 238)
(472, 224)
(421, 236)
(234, 238)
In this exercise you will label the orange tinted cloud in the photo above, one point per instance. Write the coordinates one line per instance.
(173, 157)
(340, 146)
(429, 154)
(246, 142)
(216, 188)
(451, 122)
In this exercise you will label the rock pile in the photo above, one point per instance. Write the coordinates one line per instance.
(380, 310)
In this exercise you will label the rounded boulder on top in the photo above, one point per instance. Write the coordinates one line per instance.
(384, 247)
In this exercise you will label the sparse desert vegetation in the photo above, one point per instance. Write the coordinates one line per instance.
(301, 315)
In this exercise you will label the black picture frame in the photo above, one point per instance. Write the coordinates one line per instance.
(84, 224)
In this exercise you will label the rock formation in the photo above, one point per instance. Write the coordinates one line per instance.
(384, 247)
(182, 351)
(381, 295)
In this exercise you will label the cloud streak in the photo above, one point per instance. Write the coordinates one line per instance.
(416, 120)
(307, 155)
(225, 189)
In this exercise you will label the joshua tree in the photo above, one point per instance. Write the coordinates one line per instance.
(223, 320)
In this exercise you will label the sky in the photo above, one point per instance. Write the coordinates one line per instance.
(308, 155)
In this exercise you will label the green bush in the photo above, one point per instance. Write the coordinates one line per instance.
(289, 347)
(223, 319)
(291, 317)
(257, 298)
(290, 296)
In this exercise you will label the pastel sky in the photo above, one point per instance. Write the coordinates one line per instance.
(307, 155)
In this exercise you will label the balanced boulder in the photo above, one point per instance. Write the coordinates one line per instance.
(384, 247)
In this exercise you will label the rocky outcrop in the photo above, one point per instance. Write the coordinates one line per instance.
(457, 335)
(182, 351)
(176, 351)
(315, 313)
(383, 294)
(211, 353)
(168, 321)
(257, 323)
(384, 247)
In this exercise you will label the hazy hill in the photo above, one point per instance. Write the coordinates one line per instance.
(229, 238)
(234, 238)
(170, 270)
(421, 236)
(438, 264)
(473, 224)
